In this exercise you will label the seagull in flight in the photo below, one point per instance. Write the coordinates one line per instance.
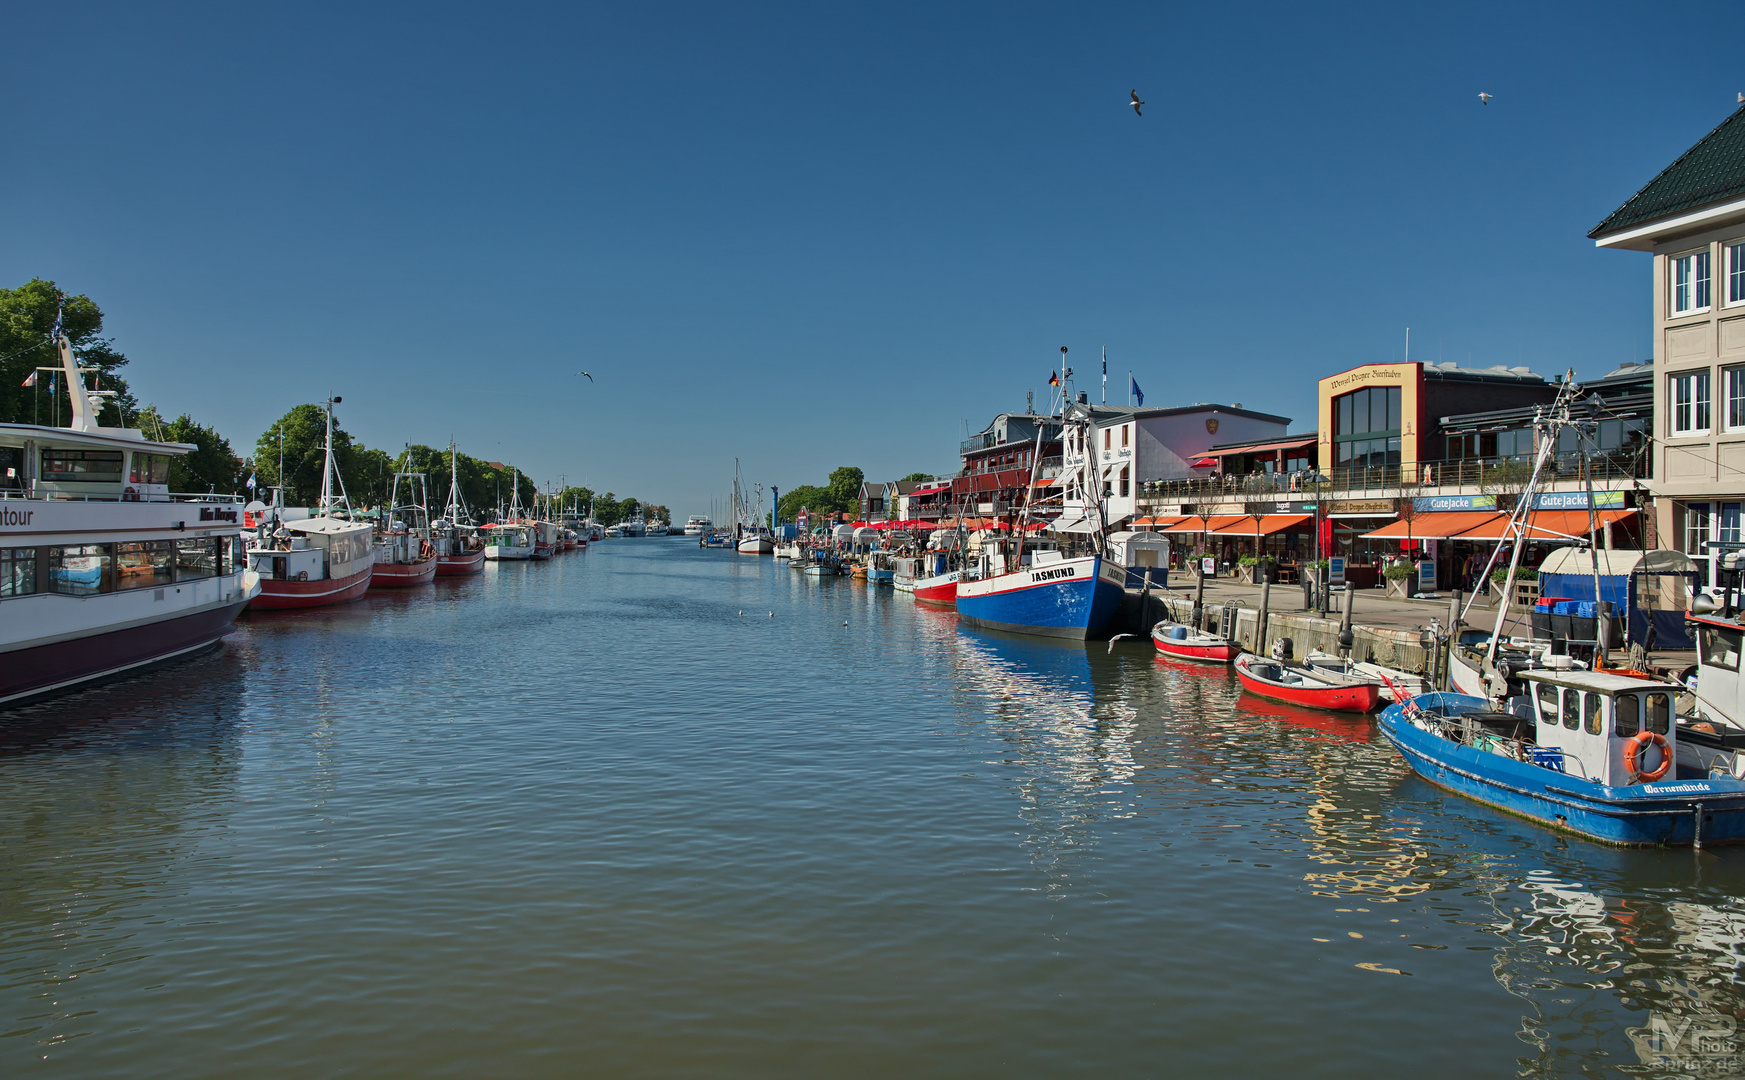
(1483, 98)
(1135, 102)
(590, 377)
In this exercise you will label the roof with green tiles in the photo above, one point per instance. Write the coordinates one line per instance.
(1712, 171)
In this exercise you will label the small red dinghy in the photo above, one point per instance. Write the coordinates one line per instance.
(1183, 642)
(1298, 686)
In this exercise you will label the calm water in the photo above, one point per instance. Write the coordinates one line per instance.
(605, 816)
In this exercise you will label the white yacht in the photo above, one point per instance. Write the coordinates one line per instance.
(697, 525)
(102, 568)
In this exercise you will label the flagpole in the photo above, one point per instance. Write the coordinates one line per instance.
(1129, 386)
(1106, 375)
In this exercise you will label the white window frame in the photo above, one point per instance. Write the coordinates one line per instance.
(1689, 407)
(1691, 274)
(1733, 399)
(1733, 255)
(1698, 526)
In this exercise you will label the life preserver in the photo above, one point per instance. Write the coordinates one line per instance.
(302, 575)
(129, 495)
(1633, 753)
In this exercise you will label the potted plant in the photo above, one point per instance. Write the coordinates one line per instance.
(1254, 568)
(1401, 576)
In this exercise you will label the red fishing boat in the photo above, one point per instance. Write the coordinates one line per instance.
(459, 551)
(1293, 685)
(404, 554)
(939, 590)
(1183, 642)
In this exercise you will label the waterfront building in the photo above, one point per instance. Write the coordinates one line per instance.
(1691, 219)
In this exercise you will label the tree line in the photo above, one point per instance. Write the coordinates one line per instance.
(27, 319)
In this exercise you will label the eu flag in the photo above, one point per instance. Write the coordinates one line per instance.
(1133, 388)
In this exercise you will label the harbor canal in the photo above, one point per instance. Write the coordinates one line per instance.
(655, 810)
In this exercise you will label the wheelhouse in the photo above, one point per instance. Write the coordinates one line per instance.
(1603, 724)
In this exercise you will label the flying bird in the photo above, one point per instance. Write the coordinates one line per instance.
(590, 377)
(1118, 637)
(1135, 102)
(1483, 98)
(1742, 99)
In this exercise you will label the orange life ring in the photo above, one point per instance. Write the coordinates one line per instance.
(1633, 751)
(302, 575)
(129, 495)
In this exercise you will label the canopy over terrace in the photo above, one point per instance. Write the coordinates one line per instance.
(1485, 525)
(1264, 525)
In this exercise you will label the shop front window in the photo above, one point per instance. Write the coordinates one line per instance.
(1696, 528)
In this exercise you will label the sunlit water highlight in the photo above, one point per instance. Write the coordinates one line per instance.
(606, 816)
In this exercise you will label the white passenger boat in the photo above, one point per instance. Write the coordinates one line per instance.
(697, 525)
(102, 569)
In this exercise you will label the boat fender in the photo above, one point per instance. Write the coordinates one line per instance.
(1633, 753)
(302, 575)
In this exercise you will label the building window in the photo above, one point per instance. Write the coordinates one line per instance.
(1736, 272)
(1125, 477)
(17, 572)
(1108, 434)
(1690, 403)
(1124, 436)
(1733, 385)
(1690, 282)
(1696, 528)
(1727, 524)
(1366, 427)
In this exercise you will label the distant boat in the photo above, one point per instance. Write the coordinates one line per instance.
(404, 554)
(315, 561)
(508, 541)
(459, 551)
(697, 525)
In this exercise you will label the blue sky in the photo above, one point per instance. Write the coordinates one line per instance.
(810, 235)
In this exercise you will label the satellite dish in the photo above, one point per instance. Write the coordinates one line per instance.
(256, 507)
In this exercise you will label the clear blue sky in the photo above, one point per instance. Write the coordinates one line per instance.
(810, 234)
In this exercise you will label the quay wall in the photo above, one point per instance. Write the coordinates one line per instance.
(1392, 648)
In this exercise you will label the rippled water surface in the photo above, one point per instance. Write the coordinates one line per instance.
(607, 816)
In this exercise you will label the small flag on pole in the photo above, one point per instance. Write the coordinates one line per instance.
(251, 481)
(29, 380)
(1133, 388)
(1053, 379)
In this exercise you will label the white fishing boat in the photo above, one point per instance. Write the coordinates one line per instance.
(508, 540)
(313, 561)
(103, 569)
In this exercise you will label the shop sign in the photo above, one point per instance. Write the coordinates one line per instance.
(1436, 503)
(1364, 506)
(1577, 500)
(1335, 570)
(1209, 566)
(1426, 576)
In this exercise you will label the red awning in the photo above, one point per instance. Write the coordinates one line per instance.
(1205, 463)
(1261, 448)
(929, 490)
(1264, 525)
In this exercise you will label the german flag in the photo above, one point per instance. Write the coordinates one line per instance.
(1053, 379)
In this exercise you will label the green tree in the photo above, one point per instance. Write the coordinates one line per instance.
(845, 487)
(916, 478)
(296, 440)
(810, 497)
(27, 318)
(211, 467)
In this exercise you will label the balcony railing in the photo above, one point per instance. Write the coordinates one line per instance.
(1501, 475)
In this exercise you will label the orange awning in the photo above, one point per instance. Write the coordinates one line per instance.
(1264, 524)
(1551, 525)
(1185, 525)
(1438, 526)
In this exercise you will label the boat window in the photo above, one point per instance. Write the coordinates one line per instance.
(149, 469)
(11, 468)
(80, 569)
(1571, 708)
(1626, 715)
(1720, 648)
(17, 572)
(1659, 712)
(1596, 703)
(144, 564)
(1547, 703)
(81, 466)
(197, 558)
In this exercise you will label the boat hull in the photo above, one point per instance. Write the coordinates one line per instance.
(275, 594)
(458, 565)
(61, 665)
(756, 547)
(1657, 814)
(403, 575)
(939, 590)
(1072, 598)
(1220, 653)
(1360, 698)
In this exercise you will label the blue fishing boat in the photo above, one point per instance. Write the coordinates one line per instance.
(1058, 597)
(1596, 753)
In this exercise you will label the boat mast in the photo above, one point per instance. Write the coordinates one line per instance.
(455, 505)
(330, 478)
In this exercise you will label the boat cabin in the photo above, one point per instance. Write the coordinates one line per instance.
(108, 464)
(1593, 717)
(313, 549)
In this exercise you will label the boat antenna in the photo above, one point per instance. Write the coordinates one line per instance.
(330, 478)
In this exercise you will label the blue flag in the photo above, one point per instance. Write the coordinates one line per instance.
(1133, 388)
